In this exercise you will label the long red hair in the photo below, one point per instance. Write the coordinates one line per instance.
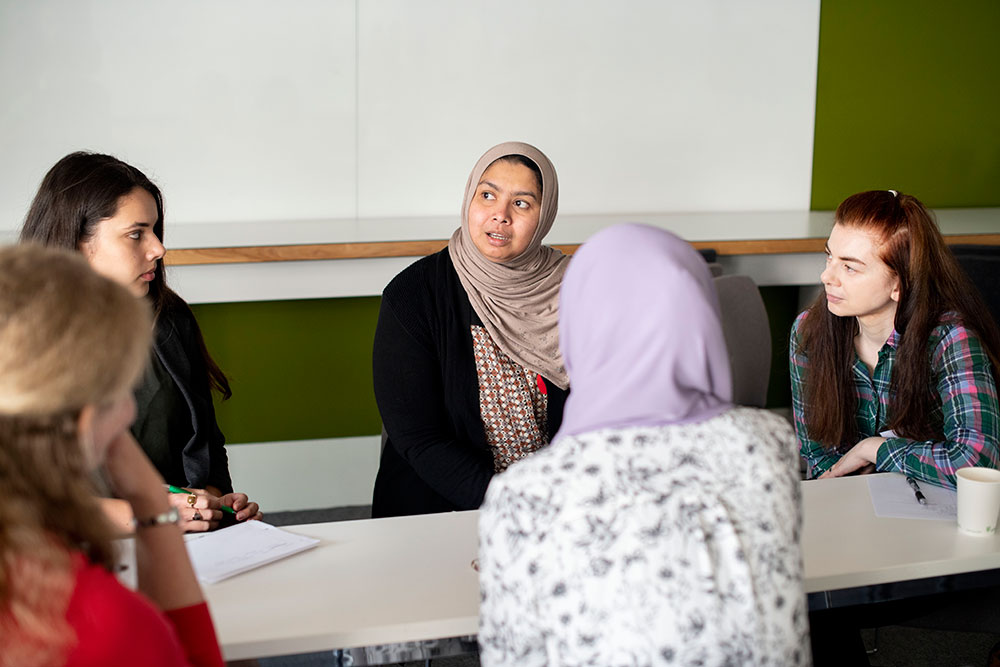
(931, 284)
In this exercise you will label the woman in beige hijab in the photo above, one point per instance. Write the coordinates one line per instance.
(468, 376)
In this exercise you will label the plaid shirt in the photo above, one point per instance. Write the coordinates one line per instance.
(968, 411)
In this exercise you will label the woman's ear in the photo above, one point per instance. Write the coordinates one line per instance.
(894, 294)
(85, 422)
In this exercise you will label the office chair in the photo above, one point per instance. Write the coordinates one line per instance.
(982, 264)
(748, 337)
(712, 259)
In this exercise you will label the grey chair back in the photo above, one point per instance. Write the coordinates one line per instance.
(748, 337)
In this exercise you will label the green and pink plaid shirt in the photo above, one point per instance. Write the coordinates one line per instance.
(968, 411)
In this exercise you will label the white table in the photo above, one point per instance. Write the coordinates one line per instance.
(388, 581)
(380, 581)
(845, 545)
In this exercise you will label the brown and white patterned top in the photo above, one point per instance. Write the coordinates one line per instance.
(512, 403)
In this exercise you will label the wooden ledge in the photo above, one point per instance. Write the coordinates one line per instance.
(297, 253)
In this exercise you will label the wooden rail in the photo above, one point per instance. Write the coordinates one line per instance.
(307, 252)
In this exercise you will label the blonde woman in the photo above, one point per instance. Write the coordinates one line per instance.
(72, 346)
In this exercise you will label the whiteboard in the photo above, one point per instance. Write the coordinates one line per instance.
(643, 106)
(268, 111)
(240, 110)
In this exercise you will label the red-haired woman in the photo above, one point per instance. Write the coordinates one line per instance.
(893, 367)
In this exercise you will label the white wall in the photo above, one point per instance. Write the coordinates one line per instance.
(642, 106)
(260, 110)
(240, 110)
(306, 474)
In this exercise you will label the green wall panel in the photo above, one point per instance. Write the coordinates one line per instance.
(302, 369)
(908, 97)
(298, 369)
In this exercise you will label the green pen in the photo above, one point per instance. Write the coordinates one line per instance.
(180, 489)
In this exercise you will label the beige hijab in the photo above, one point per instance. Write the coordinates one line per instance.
(518, 301)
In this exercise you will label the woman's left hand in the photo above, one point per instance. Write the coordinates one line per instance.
(200, 510)
(242, 505)
(861, 458)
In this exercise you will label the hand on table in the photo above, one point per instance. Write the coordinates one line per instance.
(200, 510)
(244, 508)
(860, 459)
(134, 479)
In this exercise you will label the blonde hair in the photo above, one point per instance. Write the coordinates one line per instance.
(68, 338)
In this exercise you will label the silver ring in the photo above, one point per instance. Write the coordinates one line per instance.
(196, 516)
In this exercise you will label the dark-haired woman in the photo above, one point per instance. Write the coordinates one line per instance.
(893, 367)
(113, 214)
(467, 372)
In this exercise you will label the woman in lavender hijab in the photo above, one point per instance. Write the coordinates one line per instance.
(662, 524)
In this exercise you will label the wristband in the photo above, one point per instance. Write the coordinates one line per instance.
(171, 516)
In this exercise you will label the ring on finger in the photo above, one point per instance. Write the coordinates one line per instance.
(196, 516)
(192, 499)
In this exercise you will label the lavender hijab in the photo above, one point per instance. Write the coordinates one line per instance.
(640, 333)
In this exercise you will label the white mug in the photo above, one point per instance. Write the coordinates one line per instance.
(978, 500)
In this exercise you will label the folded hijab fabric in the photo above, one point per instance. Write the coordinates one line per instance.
(518, 301)
(640, 333)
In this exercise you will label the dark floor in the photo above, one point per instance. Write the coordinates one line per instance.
(966, 641)
(319, 516)
(919, 647)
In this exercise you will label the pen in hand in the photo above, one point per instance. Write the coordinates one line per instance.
(180, 489)
(916, 490)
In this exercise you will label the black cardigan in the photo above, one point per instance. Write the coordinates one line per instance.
(176, 345)
(436, 458)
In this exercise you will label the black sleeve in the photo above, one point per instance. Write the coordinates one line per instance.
(201, 396)
(218, 474)
(410, 392)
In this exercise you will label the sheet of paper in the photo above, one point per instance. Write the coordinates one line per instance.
(125, 565)
(245, 546)
(894, 499)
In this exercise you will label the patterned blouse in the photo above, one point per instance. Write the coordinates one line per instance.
(968, 411)
(670, 545)
(512, 403)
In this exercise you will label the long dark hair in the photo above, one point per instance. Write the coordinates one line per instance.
(84, 188)
(931, 284)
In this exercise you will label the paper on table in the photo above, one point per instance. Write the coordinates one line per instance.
(894, 499)
(245, 546)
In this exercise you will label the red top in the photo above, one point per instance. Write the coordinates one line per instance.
(116, 626)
